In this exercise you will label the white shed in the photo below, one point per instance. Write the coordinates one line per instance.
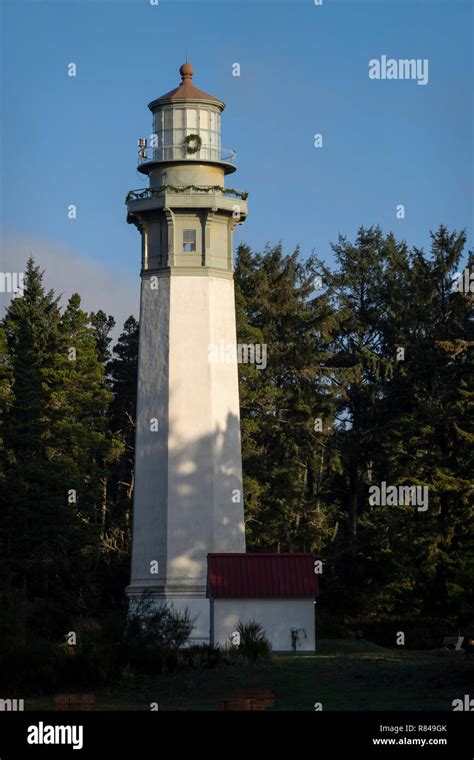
(276, 590)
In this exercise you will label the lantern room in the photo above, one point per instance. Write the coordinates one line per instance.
(186, 127)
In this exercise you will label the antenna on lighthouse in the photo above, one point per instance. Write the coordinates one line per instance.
(142, 153)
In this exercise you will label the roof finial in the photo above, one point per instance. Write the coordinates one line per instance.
(186, 70)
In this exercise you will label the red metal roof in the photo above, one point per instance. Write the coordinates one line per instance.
(261, 575)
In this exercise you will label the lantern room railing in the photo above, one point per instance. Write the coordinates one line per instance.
(148, 193)
(181, 152)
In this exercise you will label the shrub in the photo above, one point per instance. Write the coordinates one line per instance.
(254, 645)
(163, 627)
(202, 656)
(154, 634)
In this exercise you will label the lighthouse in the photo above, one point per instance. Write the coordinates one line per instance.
(188, 499)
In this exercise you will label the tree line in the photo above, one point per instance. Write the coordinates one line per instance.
(368, 380)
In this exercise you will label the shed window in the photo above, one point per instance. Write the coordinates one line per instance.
(189, 241)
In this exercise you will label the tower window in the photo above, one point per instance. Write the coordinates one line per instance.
(189, 241)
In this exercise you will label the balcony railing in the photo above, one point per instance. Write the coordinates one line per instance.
(180, 152)
(148, 193)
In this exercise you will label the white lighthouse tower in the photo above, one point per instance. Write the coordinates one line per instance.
(188, 474)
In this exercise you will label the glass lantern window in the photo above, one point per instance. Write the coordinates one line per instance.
(179, 115)
(191, 120)
(173, 124)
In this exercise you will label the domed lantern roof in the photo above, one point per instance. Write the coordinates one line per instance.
(186, 92)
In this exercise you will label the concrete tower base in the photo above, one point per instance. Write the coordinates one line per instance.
(188, 485)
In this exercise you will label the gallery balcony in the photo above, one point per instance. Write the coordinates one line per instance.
(189, 196)
(149, 157)
(149, 193)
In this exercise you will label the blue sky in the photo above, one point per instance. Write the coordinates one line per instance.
(304, 70)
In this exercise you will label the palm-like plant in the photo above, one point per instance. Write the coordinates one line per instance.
(254, 644)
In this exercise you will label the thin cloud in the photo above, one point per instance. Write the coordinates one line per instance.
(100, 286)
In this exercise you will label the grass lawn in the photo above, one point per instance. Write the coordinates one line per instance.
(343, 675)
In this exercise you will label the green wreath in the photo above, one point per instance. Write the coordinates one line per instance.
(193, 144)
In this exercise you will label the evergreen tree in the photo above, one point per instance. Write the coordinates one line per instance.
(283, 449)
(80, 445)
(34, 527)
(6, 397)
(122, 369)
(102, 326)
(430, 439)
